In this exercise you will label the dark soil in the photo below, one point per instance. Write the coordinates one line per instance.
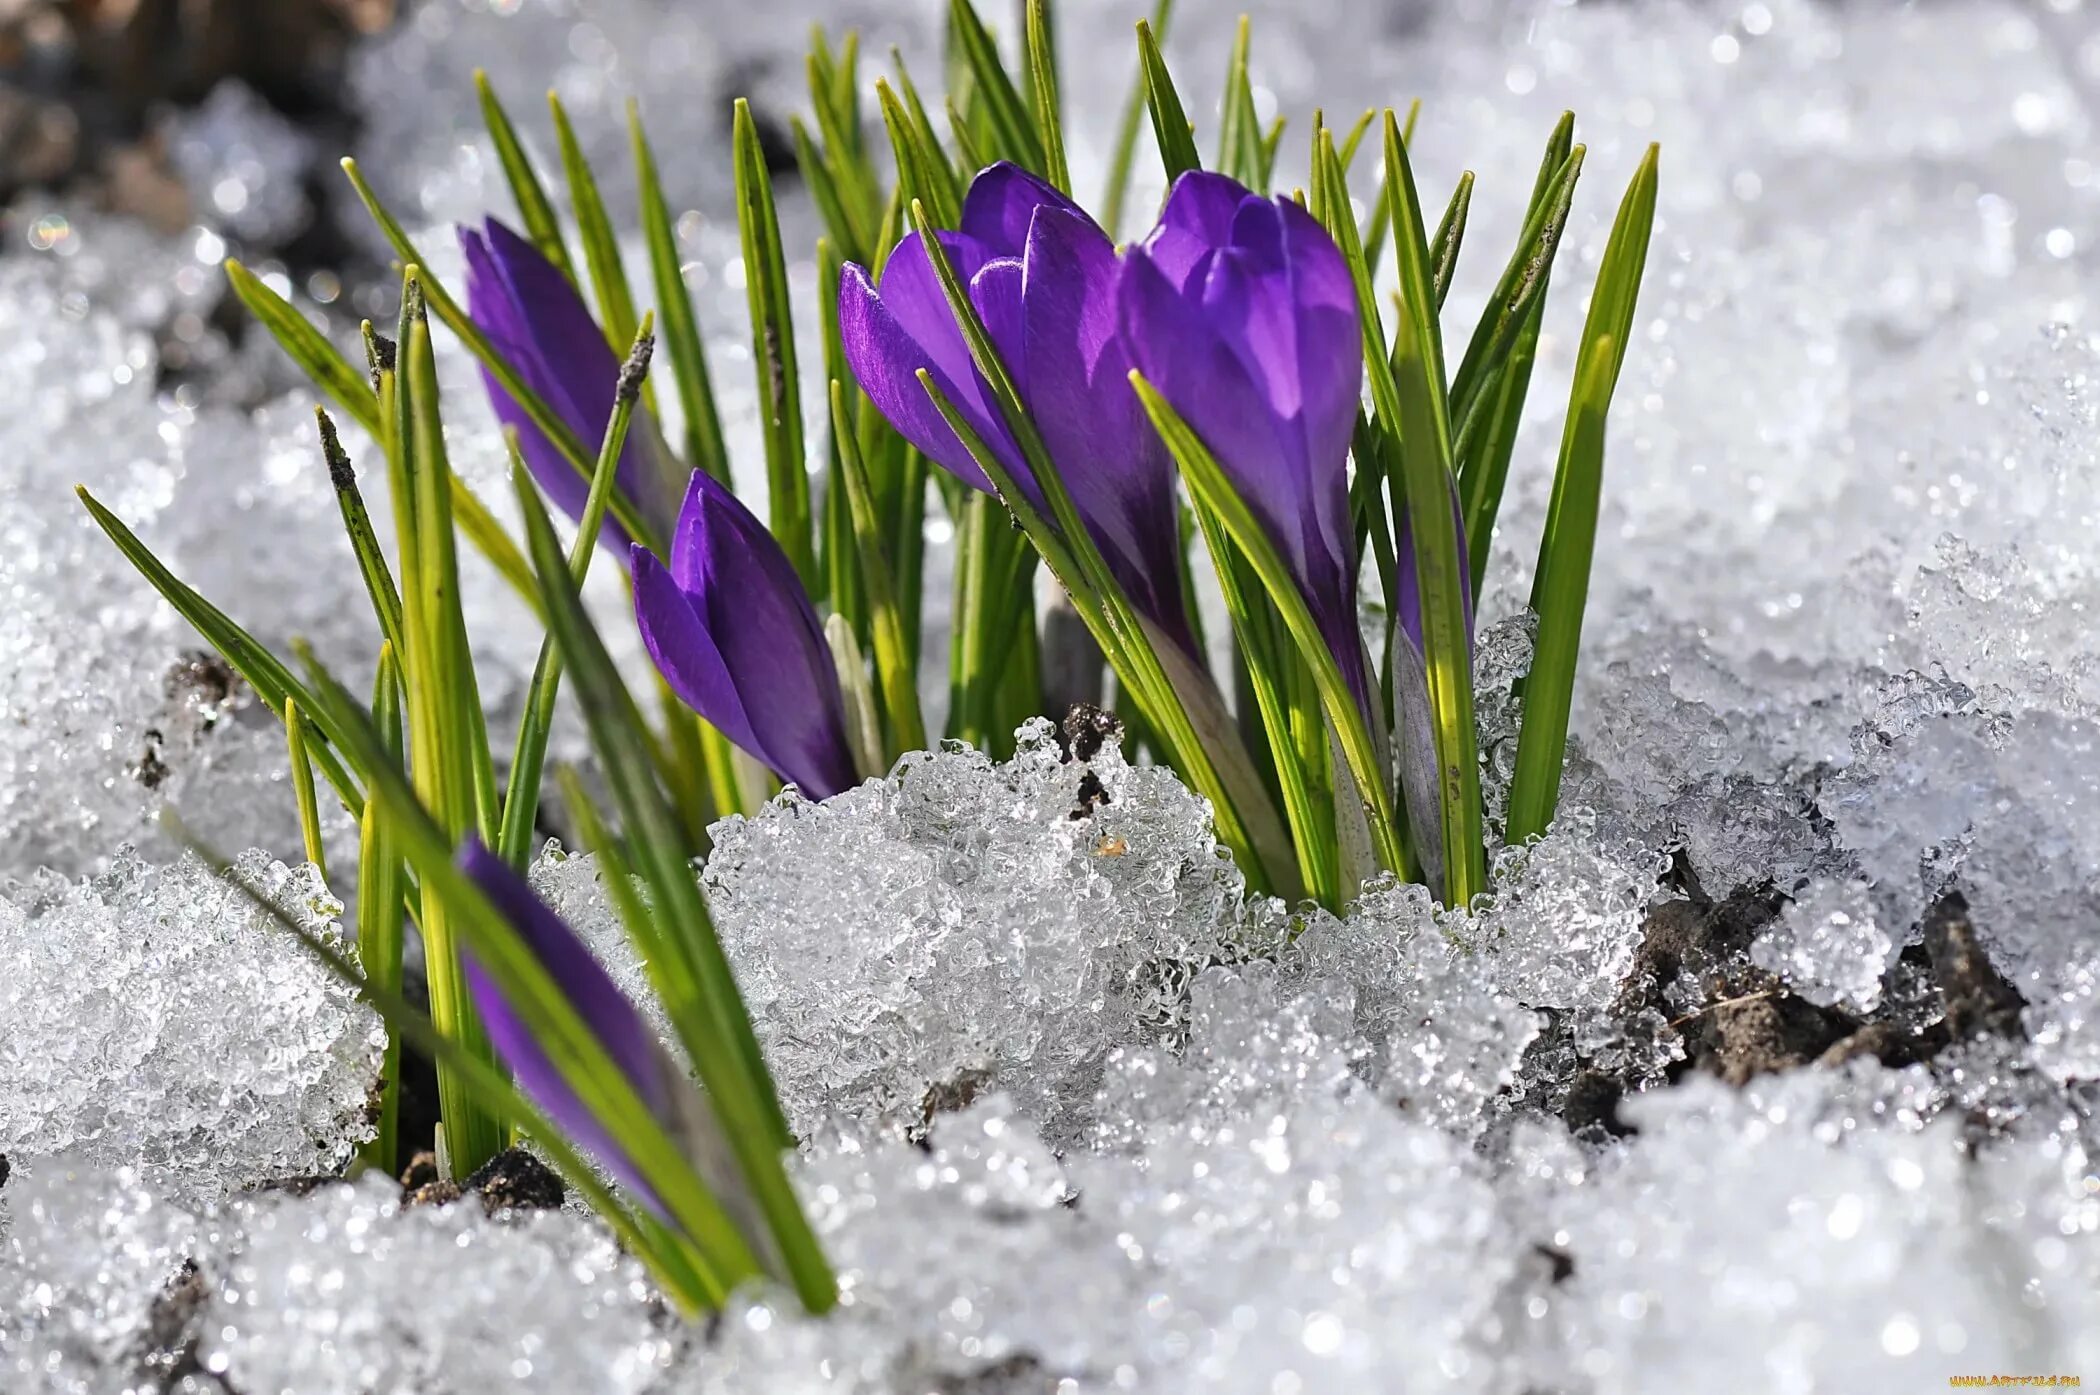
(1748, 1023)
(515, 1180)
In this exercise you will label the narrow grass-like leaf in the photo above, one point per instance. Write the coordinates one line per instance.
(704, 448)
(894, 668)
(448, 740)
(1124, 151)
(1170, 122)
(922, 173)
(1003, 106)
(824, 191)
(352, 390)
(1450, 233)
(357, 522)
(1561, 587)
(306, 346)
(601, 247)
(773, 351)
(1267, 668)
(534, 207)
(1239, 127)
(380, 914)
(250, 658)
(691, 973)
(522, 800)
(303, 788)
(1213, 490)
(1522, 284)
(1420, 413)
(1381, 208)
(564, 438)
(1041, 50)
(922, 124)
(841, 165)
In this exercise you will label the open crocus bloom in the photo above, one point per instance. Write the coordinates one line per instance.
(1041, 274)
(1241, 311)
(732, 631)
(536, 320)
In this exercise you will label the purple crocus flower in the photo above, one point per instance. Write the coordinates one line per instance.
(1041, 274)
(1241, 311)
(618, 1025)
(734, 634)
(533, 315)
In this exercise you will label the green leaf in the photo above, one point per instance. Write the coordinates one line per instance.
(894, 668)
(1239, 126)
(1522, 284)
(1170, 122)
(691, 974)
(922, 173)
(601, 246)
(303, 788)
(1268, 666)
(1042, 71)
(266, 674)
(682, 1269)
(773, 351)
(704, 447)
(842, 166)
(357, 522)
(1004, 108)
(1561, 587)
(307, 347)
(1419, 411)
(1213, 490)
(1125, 148)
(448, 740)
(534, 207)
(1450, 233)
(379, 917)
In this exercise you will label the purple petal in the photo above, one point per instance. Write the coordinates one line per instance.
(1077, 371)
(1000, 207)
(536, 320)
(893, 330)
(1183, 356)
(1198, 217)
(732, 630)
(605, 1010)
(680, 645)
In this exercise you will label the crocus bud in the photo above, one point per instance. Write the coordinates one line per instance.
(536, 320)
(1242, 312)
(734, 634)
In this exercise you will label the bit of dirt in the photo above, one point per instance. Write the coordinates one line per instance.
(515, 1180)
(1748, 1023)
(1085, 730)
(167, 1354)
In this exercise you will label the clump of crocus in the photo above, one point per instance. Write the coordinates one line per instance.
(734, 634)
(1241, 311)
(1041, 273)
(535, 318)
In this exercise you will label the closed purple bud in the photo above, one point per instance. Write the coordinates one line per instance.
(605, 1010)
(1242, 312)
(1042, 276)
(533, 315)
(732, 631)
